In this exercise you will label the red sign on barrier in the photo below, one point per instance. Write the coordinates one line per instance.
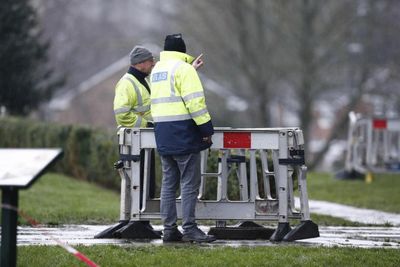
(237, 140)
(379, 124)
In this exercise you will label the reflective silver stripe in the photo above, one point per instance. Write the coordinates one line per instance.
(138, 122)
(168, 99)
(172, 79)
(198, 113)
(128, 109)
(142, 108)
(172, 118)
(139, 95)
(121, 110)
(192, 96)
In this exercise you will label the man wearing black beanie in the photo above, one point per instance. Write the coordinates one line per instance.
(174, 42)
(182, 127)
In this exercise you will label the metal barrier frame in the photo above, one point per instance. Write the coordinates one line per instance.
(287, 148)
(370, 144)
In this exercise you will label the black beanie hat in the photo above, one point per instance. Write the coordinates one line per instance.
(174, 42)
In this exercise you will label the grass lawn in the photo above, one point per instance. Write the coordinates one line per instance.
(57, 199)
(197, 255)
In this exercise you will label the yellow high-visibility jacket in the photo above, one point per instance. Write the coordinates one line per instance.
(178, 106)
(131, 102)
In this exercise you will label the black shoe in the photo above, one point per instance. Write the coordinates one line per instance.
(172, 235)
(198, 236)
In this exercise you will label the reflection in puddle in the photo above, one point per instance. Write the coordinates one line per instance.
(365, 237)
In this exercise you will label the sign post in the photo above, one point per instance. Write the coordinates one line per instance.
(19, 169)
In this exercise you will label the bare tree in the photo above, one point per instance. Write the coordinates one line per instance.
(316, 46)
(370, 63)
(307, 44)
(241, 49)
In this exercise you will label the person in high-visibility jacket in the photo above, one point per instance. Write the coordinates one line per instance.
(132, 106)
(183, 128)
(132, 92)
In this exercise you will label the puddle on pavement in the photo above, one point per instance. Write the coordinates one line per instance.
(365, 237)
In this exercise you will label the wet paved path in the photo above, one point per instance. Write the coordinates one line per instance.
(367, 216)
(365, 237)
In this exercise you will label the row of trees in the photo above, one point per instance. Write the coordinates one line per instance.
(297, 53)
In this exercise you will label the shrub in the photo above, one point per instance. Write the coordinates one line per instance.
(89, 153)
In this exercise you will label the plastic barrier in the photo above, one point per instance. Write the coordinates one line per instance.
(373, 145)
(278, 152)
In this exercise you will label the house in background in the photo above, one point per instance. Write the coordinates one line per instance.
(91, 102)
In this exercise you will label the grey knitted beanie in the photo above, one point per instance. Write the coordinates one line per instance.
(139, 54)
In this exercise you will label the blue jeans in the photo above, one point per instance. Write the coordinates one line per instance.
(186, 170)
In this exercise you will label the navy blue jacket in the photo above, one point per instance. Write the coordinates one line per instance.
(182, 137)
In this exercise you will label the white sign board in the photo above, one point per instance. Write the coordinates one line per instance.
(19, 167)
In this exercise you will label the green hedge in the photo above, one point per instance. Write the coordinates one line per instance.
(89, 153)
